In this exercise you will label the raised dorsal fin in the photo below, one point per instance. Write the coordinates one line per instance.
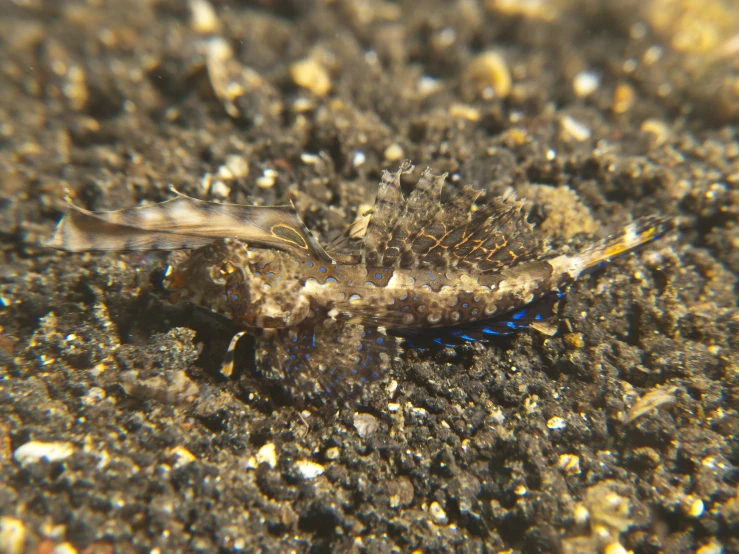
(185, 222)
(389, 210)
(422, 232)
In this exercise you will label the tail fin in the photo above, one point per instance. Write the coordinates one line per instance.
(633, 236)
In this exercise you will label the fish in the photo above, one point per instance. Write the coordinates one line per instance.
(330, 323)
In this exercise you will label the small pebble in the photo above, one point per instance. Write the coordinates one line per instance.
(50, 451)
(437, 513)
(581, 515)
(182, 456)
(12, 535)
(311, 75)
(574, 129)
(365, 424)
(428, 85)
(94, 396)
(615, 548)
(710, 548)
(267, 179)
(570, 463)
(489, 74)
(332, 453)
(267, 454)
(359, 159)
(658, 129)
(694, 507)
(652, 401)
(393, 153)
(308, 469)
(302, 105)
(464, 111)
(220, 189)
(204, 18)
(238, 166)
(309, 159)
(585, 83)
(64, 548)
(624, 98)
(652, 55)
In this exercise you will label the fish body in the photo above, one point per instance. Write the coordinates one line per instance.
(327, 324)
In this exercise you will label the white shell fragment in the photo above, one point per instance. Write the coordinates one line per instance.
(308, 469)
(35, 451)
(437, 513)
(365, 424)
(267, 455)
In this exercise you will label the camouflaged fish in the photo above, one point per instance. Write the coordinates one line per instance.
(327, 324)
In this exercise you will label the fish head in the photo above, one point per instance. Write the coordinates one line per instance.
(257, 287)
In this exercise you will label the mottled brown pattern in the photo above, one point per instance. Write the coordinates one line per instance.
(323, 326)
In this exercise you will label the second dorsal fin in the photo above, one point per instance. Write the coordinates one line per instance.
(420, 231)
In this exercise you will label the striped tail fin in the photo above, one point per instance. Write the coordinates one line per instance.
(593, 257)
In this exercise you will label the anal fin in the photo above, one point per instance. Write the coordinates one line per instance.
(539, 315)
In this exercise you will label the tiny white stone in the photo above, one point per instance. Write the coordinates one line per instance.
(582, 515)
(50, 451)
(220, 189)
(309, 159)
(365, 424)
(585, 83)
(204, 18)
(182, 456)
(578, 131)
(308, 469)
(570, 464)
(332, 453)
(359, 159)
(93, 396)
(267, 454)
(64, 548)
(428, 85)
(615, 548)
(237, 165)
(12, 535)
(556, 423)
(710, 548)
(437, 513)
(697, 507)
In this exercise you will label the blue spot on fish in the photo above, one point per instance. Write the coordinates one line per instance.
(519, 315)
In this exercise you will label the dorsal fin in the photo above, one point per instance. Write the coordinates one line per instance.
(185, 222)
(422, 232)
(389, 210)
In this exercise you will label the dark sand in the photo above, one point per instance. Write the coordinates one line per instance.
(531, 444)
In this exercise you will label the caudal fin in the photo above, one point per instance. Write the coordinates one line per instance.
(636, 234)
